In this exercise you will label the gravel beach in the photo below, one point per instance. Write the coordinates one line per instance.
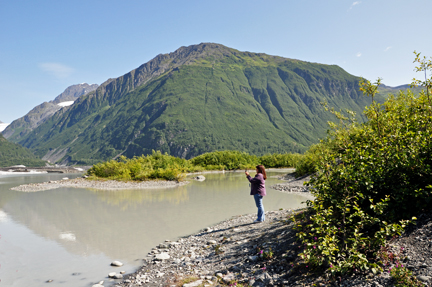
(98, 184)
(237, 250)
(230, 251)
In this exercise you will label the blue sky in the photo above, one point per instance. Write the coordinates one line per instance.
(46, 46)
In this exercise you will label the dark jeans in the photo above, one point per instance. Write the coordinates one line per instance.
(258, 201)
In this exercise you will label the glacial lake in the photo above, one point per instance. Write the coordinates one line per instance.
(71, 235)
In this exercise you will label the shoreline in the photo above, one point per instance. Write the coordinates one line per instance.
(97, 184)
(106, 184)
(230, 252)
(213, 254)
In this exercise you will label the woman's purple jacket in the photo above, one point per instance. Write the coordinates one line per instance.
(257, 184)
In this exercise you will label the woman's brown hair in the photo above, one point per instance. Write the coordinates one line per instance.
(261, 169)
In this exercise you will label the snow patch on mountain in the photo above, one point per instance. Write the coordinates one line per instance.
(65, 104)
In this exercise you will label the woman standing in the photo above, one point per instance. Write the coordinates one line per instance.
(258, 190)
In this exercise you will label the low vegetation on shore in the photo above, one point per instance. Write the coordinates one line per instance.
(372, 179)
(164, 166)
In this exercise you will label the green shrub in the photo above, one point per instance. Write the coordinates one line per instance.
(308, 162)
(164, 166)
(376, 177)
(280, 160)
(154, 166)
(228, 160)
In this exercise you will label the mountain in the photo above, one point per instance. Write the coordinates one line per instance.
(198, 99)
(385, 90)
(38, 115)
(14, 154)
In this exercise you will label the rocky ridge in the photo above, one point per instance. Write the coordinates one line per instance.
(41, 113)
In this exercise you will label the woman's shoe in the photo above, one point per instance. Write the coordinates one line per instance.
(257, 221)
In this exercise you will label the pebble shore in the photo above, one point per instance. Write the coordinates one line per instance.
(235, 251)
(225, 252)
(292, 184)
(98, 184)
(230, 251)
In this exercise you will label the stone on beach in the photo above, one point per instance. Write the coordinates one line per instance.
(162, 256)
(423, 278)
(228, 278)
(193, 284)
(116, 263)
(253, 258)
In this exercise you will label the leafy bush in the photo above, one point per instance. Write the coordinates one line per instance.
(376, 178)
(403, 277)
(228, 160)
(154, 166)
(280, 160)
(164, 166)
(308, 162)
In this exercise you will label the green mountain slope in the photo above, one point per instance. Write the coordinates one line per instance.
(386, 90)
(197, 99)
(13, 154)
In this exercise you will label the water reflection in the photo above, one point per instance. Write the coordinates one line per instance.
(89, 228)
(3, 216)
(132, 198)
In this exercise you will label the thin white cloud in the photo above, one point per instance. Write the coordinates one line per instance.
(358, 54)
(355, 3)
(388, 48)
(58, 70)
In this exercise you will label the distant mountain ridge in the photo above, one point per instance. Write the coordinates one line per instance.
(14, 154)
(198, 99)
(39, 114)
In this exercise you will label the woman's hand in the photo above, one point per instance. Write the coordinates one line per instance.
(247, 173)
